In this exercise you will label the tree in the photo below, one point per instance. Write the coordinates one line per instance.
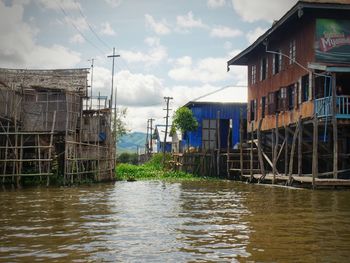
(184, 120)
(120, 126)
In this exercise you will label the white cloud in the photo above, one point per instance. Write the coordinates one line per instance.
(79, 22)
(18, 47)
(225, 32)
(114, 3)
(207, 70)
(228, 45)
(255, 10)
(216, 3)
(57, 4)
(160, 27)
(153, 56)
(189, 21)
(135, 90)
(255, 34)
(107, 29)
(77, 39)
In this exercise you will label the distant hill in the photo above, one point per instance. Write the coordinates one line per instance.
(130, 141)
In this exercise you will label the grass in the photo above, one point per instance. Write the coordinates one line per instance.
(152, 170)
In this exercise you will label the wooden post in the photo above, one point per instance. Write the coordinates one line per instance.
(51, 146)
(286, 137)
(218, 142)
(291, 161)
(241, 142)
(261, 160)
(300, 143)
(251, 150)
(335, 127)
(274, 168)
(315, 151)
(228, 150)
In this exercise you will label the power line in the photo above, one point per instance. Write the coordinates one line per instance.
(90, 27)
(218, 90)
(77, 29)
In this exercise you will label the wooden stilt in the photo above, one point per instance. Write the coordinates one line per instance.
(291, 161)
(300, 144)
(241, 143)
(261, 160)
(275, 150)
(286, 137)
(251, 150)
(315, 151)
(335, 127)
(218, 143)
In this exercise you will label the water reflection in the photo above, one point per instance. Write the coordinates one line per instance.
(174, 222)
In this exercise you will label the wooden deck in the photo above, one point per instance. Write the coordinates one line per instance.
(302, 179)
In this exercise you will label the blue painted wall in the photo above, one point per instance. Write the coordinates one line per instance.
(228, 111)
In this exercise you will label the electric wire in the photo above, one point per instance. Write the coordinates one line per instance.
(77, 29)
(90, 27)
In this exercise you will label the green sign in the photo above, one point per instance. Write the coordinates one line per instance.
(332, 41)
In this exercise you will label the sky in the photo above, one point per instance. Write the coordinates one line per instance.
(167, 48)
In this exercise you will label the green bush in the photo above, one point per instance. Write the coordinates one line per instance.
(131, 158)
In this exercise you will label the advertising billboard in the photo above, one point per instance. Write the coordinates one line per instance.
(332, 41)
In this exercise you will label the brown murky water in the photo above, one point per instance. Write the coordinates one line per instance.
(174, 222)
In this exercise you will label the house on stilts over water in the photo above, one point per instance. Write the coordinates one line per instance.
(49, 127)
(299, 98)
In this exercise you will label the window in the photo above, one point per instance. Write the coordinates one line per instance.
(263, 68)
(276, 62)
(291, 96)
(252, 110)
(263, 105)
(292, 51)
(209, 134)
(271, 103)
(305, 88)
(282, 99)
(253, 74)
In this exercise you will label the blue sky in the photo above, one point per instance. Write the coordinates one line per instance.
(168, 48)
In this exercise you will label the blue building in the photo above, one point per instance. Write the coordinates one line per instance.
(207, 114)
(159, 133)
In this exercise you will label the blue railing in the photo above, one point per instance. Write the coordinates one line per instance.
(324, 107)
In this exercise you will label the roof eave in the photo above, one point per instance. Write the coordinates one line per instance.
(241, 60)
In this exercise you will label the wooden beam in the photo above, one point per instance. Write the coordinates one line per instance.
(241, 141)
(261, 160)
(286, 135)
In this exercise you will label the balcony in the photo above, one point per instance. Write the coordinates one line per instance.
(324, 107)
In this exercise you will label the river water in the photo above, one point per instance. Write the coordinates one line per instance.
(152, 221)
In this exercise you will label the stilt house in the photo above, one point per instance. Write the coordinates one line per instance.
(48, 126)
(299, 96)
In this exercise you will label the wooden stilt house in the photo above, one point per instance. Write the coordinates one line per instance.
(299, 97)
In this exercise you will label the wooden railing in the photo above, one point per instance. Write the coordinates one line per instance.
(324, 107)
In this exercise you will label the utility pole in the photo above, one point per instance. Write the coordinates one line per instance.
(113, 56)
(146, 144)
(151, 134)
(92, 78)
(167, 100)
